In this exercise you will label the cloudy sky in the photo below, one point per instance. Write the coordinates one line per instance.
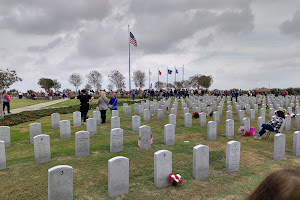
(241, 43)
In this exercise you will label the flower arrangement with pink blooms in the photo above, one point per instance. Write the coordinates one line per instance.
(175, 179)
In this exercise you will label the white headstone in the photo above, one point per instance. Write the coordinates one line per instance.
(169, 134)
(162, 168)
(118, 176)
(2, 155)
(34, 129)
(233, 156)
(91, 126)
(55, 119)
(115, 122)
(76, 118)
(116, 140)
(42, 152)
(146, 115)
(202, 119)
(246, 123)
(229, 114)
(136, 122)
(279, 147)
(229, 128)
(145, 137)
(288, 121)
(127, 111)
(114, 113)
(82, 143)
(216, 117)
(97, 116)
(172, 119)
(252, 115)
(297, 121)
(296, 143)
(200, 162)
(60, 182)
(160, 115)
(260, 121)
(5, 135)
(65, 129)
(211, 130)
(241, 115)
(188, 120)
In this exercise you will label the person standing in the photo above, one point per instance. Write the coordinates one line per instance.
(113, 102)
(84, 100)
(20, 95)
(102, 104)
(133, 95)
(6, 101)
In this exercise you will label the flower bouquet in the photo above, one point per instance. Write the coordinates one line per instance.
(196, 114)
(175, 179)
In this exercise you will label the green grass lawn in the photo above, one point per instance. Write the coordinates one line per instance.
(19, 103)
(23, 179)
(70, 102)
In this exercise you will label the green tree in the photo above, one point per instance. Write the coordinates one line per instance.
(46, 83)
(56, 84)
(7, 78)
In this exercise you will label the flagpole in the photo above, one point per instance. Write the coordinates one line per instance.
(149, 78)
(158, 79)
(167, 77)
(183, 73)
(175, 74)
(129, 58)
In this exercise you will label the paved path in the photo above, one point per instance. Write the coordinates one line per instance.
(37, 106)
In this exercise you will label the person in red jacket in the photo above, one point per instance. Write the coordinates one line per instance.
(6, 101)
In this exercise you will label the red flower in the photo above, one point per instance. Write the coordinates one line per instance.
(87, 116)
(22, 120)
(180, 182)
(11, 122)
(7, 120)
(288, 113)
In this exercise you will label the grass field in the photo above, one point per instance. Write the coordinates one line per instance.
(19, 103)
(23, 179)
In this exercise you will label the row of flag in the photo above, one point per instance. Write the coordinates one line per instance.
(169, 71)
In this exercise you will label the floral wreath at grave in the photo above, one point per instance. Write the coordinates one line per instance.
(175, 179)
(195, 114)
(139, 141)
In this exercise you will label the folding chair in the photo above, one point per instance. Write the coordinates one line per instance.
(279, 131)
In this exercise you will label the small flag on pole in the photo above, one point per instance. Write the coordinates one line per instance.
(183, 85)
(169, 71)
(175, 85)
(150, 87)
(176, 71)
(159, 72)
(124, 85)
(164, 85)
(133, 40)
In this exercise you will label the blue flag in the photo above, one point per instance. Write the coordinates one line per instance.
(169, 71)
(176, 71)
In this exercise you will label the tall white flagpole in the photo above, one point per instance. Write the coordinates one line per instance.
(129, 58)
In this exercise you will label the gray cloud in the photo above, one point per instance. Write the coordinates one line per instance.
(291, 27)
(47, 47)
(50, 17)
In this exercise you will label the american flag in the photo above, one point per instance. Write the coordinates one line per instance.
(164, 85)
(124, 85)
(133, 40)
(183, 85)
(175, 85)
(159, 72)
(150, 86)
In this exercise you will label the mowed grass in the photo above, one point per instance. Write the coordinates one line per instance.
(23, 179)
(70, 102)
(19, 103)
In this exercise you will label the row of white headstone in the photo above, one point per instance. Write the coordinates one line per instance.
(60, 178)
